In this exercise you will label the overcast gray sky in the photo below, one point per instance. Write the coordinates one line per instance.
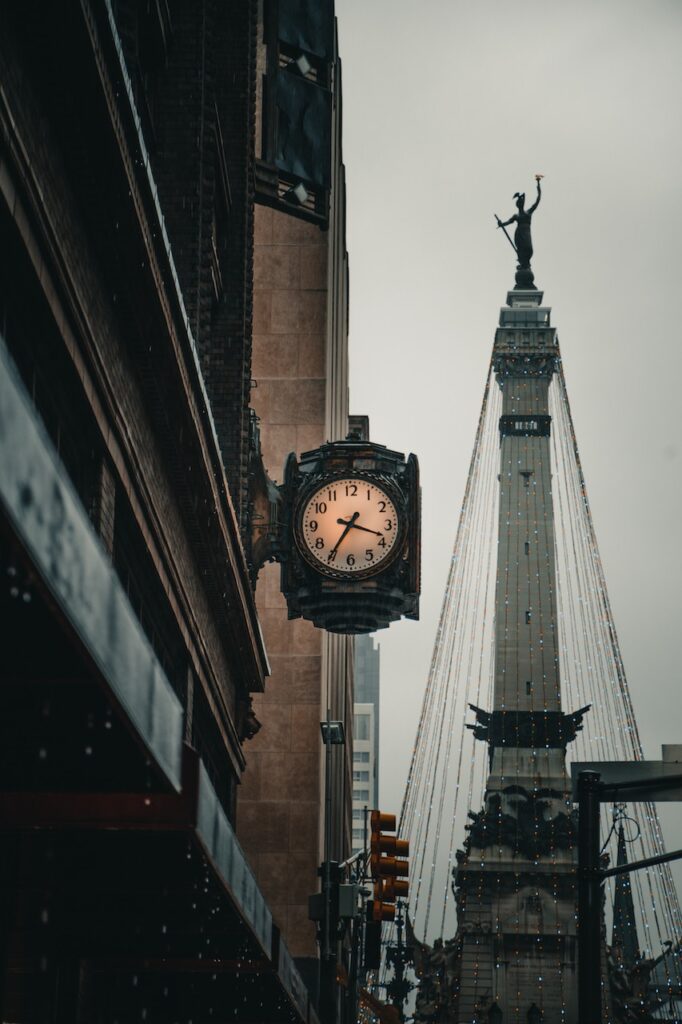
(450, 108)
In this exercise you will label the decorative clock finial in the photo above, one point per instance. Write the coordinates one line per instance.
(523, 243)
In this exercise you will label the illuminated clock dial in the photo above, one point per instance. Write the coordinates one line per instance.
(349, 527)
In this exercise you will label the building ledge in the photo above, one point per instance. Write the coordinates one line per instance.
(143, 818)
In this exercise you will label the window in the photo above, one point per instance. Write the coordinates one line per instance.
(358, 833)
(360, 776)
(361, 727)
(361, 756)
(361, 794)
(528, 615)
(358, 813)
(529, 688)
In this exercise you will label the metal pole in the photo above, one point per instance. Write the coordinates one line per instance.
(635, 865)
(400, 966)
(327, 837)
(501, 225)
(364, 841)
(352, 994)
(589, 900)
(328, 959)
(647, 787)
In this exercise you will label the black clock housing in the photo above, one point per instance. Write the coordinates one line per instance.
(376, 597)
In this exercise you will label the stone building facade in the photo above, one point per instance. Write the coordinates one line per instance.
(300, 371)
(514, 957)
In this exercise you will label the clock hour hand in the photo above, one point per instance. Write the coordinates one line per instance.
(348, 524)
(354, 526)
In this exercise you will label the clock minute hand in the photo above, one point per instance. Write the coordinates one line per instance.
(342, 522)
(354, 526)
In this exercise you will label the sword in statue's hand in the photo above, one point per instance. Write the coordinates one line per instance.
(501, 225)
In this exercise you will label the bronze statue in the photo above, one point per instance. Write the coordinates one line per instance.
(523, 243)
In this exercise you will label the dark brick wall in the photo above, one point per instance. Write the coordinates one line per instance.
(108, 306)
(203, 161)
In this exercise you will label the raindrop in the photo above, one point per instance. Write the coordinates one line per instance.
(42, 753)
(26, 597)
(14, 591)
(88, 751)
(44, 915)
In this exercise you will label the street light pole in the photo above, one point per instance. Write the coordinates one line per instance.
(332, 735)
(589, 900)
(327, 961)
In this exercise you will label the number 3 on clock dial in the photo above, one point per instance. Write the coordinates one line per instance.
(349, 526)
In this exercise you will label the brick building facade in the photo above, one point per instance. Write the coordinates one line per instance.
(134, 646)
(300, 369)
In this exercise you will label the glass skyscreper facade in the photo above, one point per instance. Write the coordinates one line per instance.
(365, 735)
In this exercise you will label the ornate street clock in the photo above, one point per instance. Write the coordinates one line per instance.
(349, 527)
(350, 549)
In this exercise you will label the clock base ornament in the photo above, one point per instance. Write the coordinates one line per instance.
(350, 547)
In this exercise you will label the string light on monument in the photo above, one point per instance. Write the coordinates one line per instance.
(448, 766)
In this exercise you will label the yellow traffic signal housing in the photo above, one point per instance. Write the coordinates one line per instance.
(379, 821)
(380, 843)
(394, 888)
(383, 911)
(388, 866)
(383, 867)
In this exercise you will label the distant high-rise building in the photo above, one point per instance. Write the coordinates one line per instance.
(365, 734)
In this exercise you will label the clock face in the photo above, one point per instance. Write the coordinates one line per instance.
(349, 527)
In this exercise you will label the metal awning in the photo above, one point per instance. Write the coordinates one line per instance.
(49, 520)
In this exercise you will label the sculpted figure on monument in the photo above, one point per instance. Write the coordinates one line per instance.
(527, 831)
(523, 242)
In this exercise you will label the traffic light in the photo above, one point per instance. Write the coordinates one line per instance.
(387, 866)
